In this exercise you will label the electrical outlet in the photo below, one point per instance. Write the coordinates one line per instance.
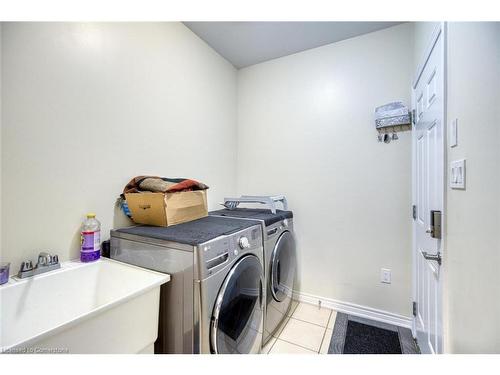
(385, 275)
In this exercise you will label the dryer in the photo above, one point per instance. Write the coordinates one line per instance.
(280, 258)
(214, 301)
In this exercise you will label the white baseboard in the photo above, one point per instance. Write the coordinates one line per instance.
(356, 310)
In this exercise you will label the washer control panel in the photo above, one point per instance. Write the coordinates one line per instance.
(216, 254)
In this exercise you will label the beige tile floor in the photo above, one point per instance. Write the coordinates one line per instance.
(307, 330)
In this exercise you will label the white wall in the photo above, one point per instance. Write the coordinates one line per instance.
(88, 106)
(306, 130)
(473, 248)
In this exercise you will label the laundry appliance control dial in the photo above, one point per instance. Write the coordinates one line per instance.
(244, 242)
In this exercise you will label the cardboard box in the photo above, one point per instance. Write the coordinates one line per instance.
(165, 209)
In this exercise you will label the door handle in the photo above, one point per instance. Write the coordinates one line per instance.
(435, 257)
(272, 231)
(261, 292)
(278, 272)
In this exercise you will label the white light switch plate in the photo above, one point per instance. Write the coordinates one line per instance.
(453, 132)
(457, 174)
(385, 276)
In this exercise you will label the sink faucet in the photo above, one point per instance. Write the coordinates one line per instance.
(46, 263)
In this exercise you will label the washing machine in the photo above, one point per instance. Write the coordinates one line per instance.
(214, 300)
(280, 259)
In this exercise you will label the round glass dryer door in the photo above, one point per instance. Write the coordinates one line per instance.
(283, 264)
(237, 317)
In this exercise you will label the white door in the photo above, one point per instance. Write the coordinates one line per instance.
(428, 195)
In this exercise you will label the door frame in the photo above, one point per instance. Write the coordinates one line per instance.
(439, 30)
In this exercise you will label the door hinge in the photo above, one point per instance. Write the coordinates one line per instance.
(414, 212)
(414, 306)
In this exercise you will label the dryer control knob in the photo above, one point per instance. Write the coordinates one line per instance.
(244, 243)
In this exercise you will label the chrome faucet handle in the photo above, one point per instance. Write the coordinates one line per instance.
(27, 265)
(55, 259)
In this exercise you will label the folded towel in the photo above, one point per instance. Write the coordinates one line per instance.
(155, 184)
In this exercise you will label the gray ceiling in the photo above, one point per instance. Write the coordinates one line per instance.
(248, 43)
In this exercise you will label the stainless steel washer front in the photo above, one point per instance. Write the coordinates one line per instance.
(280, 262)
(236, 324)
(282, 267)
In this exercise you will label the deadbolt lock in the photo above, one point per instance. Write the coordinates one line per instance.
(435, 230)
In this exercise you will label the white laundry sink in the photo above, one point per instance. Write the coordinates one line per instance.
(100, 307)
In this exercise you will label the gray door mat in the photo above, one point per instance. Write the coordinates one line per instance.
(406, 341)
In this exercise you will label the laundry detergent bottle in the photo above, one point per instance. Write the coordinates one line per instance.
(91, 239)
